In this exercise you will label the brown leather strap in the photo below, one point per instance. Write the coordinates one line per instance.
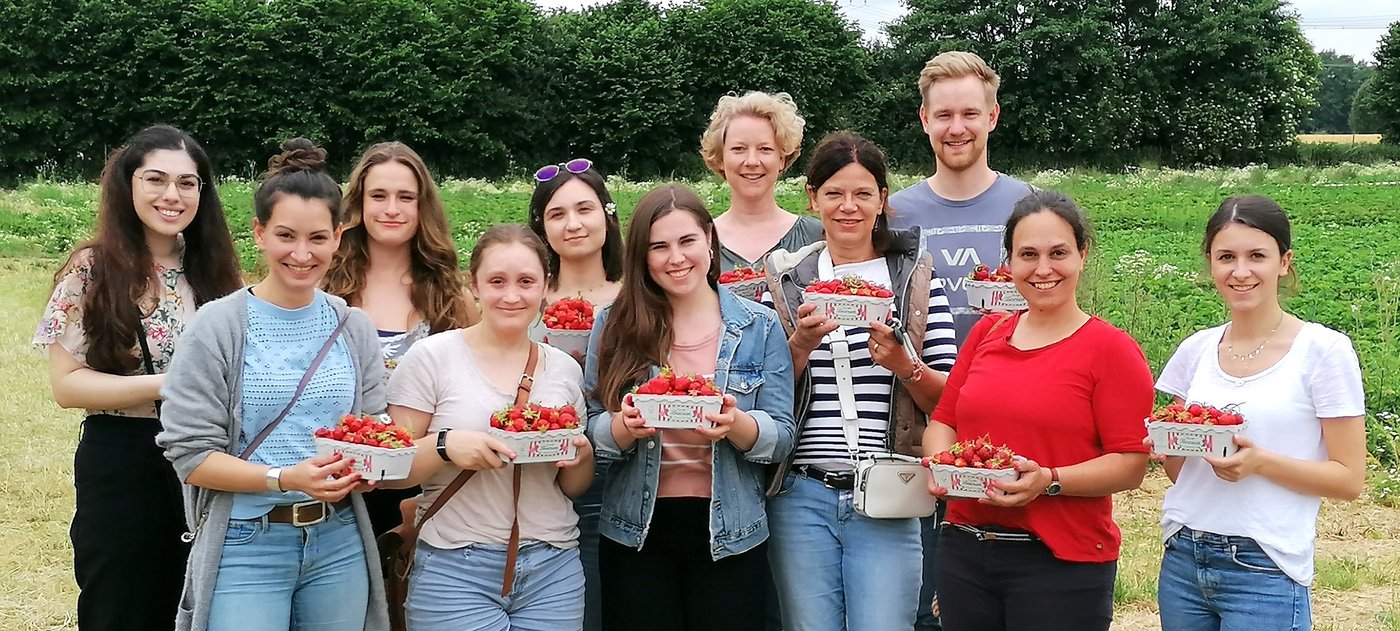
(522, 396)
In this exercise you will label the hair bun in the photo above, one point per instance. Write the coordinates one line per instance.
(298, 154)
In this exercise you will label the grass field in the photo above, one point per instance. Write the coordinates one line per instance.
(1144, 276)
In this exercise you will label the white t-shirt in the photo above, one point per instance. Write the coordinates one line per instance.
(1319, 377)
(440, 375)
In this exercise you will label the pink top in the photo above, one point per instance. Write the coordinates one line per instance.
(686, 455)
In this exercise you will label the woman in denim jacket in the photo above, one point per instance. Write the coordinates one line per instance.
(683, 520)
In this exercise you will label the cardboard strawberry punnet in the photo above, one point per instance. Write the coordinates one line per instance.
(672, 400)
(537, 433)
(850, 300)
(968, 468)
(1195, 429)
(567, 323)
(377, 448)
(744, 281)
(993, 289)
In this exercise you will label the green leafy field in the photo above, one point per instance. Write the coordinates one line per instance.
(1145, 276)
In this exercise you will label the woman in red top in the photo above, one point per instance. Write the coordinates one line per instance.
(1067, 391)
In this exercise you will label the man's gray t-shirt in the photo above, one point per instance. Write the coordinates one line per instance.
(959, 234)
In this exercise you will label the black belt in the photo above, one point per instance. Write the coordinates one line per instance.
(992, 535)
(835, 480)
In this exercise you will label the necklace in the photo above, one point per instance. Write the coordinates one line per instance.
(1249, 357)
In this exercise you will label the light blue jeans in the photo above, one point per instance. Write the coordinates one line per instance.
(278, 577)
(460, 589)
(1213, 582)
(836, 570)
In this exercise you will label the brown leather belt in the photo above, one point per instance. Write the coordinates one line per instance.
(305, 514)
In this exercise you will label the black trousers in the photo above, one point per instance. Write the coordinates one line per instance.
(127, 555)
(672, 584)
(383, 507)
(991, 585)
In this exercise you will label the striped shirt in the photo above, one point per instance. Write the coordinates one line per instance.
(822, 439)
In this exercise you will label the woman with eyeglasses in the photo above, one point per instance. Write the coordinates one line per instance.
(280, 536)
(119, 303)
(574, 215)
(398, 264)
(684, 522)
(750, 141)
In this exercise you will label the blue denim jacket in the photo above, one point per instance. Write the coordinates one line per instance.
(754, 365)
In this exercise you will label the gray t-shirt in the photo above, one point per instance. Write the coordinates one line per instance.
(959, 234)
(806, 230)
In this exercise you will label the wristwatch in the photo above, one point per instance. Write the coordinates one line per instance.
(1054, 488)
(442, 445)
(274, 479)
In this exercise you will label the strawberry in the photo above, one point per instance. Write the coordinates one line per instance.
(569, 314)
(671, 382)
(1198, 414)
(849, 286)
(740, 274)
(978, 453)
(534, 417)
(983, 273)
(367, 430)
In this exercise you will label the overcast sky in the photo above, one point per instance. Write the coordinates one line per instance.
(1352, 27)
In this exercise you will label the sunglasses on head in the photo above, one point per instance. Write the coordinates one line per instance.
(551, 171)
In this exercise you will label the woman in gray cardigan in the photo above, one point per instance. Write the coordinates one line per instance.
(280, 537)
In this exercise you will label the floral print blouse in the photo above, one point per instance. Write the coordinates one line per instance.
(62, 321)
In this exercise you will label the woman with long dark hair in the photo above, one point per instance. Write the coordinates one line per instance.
(119, 303)
(683, 520)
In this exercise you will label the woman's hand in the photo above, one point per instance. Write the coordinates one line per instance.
(584, 451)
(326, 478)
(1241, 464)
(1021, 491)
(630, 420)
(888, 352)
(729, 415)
(811, 328)
(477, 451)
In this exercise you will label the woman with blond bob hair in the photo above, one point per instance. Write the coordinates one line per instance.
(397, 262)
(751, 140)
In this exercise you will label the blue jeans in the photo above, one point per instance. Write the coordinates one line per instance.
(929, 527)
(836, 570)
(589, 506)
(460, 589)
(1213, 582)
(278, 577)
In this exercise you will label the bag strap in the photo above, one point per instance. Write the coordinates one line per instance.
(301, 386)
(522, 396)
(146, 352)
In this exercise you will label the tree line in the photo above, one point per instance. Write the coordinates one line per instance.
(492, 88)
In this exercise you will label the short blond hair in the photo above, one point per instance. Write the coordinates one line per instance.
(956, 64)
(778, 109)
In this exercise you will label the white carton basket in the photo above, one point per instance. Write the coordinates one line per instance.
(676, 411)
(570, 341)
(1191, 439)
(857, 311)
(551, 446)
(751, 289)
(994, 296)
(968, 481)
(374, 463)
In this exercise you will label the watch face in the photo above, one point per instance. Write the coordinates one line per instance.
(1053, 489)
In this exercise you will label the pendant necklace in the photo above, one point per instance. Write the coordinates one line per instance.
(1249, 357)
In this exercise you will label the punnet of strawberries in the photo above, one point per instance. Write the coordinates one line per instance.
(978, 453)
(740, 274)
(1198, 414)
(849, 286)
(533, 417)
(569, 314)
(672, 382)
(983, 273)
(369, 431)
